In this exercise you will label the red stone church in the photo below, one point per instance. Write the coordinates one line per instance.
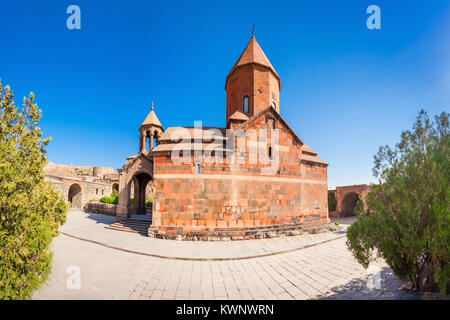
(231, 195)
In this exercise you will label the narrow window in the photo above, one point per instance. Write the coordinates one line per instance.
(198, 167)
(270, 153)
(96, 191)
(102, 191)
(246, 104)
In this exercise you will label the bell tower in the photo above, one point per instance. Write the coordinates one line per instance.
(252, 85)
(150, 129)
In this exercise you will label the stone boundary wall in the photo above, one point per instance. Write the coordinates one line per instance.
(102, 208)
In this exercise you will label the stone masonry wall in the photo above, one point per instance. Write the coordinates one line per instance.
(239, 196)
(95, 182)
(235, 202)
(102, 208)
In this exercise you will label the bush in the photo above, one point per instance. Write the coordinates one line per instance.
(407, 218)
(114, 193)
(104, 199)
(30, 209)
(110, 200)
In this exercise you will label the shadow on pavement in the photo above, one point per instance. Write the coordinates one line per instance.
(100, 218)
(383, 285)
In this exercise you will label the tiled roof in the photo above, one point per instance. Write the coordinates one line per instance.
(308, 149)
(238, 115)
(167, 135)
(152, 119)
(309, 158)
(218, 147)
(253, 54)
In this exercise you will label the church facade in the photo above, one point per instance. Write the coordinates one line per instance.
(252, 176)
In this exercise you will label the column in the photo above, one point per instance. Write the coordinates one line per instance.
(142, 142)
(151, 142)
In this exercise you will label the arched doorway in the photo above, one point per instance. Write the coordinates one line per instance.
(349, 203)
(115, 186)
(75, 196)
(138, 186)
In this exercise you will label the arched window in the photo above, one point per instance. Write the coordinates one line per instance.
(270, 153)
(246, 104)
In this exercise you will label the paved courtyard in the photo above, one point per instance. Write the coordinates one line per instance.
(121, 265)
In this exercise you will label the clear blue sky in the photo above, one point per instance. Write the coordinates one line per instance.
(346, 89)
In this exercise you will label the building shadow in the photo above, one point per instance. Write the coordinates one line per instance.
(383, 285)
(100, 218)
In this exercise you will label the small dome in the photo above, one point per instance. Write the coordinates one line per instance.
(152, 120)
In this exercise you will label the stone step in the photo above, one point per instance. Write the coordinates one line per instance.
(129, 220)
(127, 229)
(141, 226)
(130, 225)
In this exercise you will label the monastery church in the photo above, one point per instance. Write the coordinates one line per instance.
(239, 200)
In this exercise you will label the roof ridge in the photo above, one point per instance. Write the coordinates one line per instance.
(277, 114)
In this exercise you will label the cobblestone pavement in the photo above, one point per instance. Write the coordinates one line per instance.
(92, 227)
(323, 271)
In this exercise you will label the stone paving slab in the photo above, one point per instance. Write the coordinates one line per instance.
(324, 271)
(90, 226)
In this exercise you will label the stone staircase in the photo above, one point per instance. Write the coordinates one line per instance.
(130, 225)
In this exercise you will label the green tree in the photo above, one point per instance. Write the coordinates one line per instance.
(30, 210)
(407, 219)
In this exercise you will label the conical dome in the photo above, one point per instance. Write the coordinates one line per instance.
(151, 120)
(252, 54)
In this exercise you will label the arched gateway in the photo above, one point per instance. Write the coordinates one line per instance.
(349, 203)
(347, 198)
(75, 195)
